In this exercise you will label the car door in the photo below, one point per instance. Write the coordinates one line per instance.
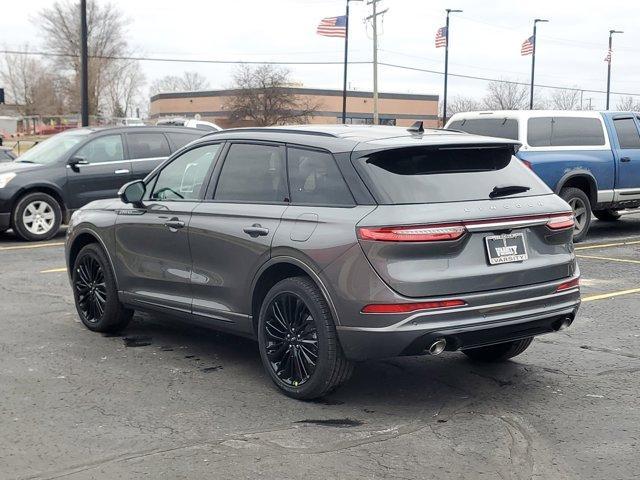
(231, 231)
(147, 150)
(152, 243)
(628, 157)
(98, 170)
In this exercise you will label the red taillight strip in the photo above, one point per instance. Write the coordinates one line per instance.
(561, 222)
(411, 307)
(571, 284)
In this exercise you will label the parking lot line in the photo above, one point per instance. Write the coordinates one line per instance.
(38, 245)
(610, 259)
(54, 270)
(606, 245)
(605, 296)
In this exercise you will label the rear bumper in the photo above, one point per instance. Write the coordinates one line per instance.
(464, 327)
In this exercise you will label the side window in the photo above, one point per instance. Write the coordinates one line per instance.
(103, 149)
(147, 145)
(184, 177)
(179, 140)
(627, 133)
(564, 132)
(315, 179)
(252, 173)
(492, 127)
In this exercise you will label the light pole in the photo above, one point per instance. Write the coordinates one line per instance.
(533, 59)
(346, 59)
(609, 55)
(84, 65)
(446, 65)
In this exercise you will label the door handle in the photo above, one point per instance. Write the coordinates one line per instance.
(625, 159)
(256, 230)
(121, 172)
(174, 224)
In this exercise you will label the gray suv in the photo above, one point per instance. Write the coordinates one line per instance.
(335, 244)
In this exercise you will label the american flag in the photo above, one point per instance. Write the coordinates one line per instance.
(441, 37)
(527, 46)
(333, 27)
(608, 57)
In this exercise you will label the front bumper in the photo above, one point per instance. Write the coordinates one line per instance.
(464, 327)
(5, 221)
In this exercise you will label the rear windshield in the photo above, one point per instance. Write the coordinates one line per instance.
(490, 127)
(428, 175)
(564, 132)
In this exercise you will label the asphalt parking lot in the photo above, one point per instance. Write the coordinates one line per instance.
(169, 400)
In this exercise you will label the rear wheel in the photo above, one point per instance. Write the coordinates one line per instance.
(298, 341)
(96, 293)
(36, 216)
(499, 352)
(581, 206)
(608, 215)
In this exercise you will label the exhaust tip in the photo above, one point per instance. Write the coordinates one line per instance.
(562, 324)
(437, 347)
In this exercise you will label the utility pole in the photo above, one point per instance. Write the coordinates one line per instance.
(84, 61)
(446, 65)
(533, 59)
(374, 18)
(609, 57)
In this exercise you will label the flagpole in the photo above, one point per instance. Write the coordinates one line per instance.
(611, 32)
(446, 66)
(346, 59)
(533, 60)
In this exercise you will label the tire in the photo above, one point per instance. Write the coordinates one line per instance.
(499, 352)
(93, 285)
(581, 206)
(45, 212)
(608, 215)
(2, 230)
(296, 306)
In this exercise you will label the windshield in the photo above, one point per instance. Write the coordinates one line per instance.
(53, 148)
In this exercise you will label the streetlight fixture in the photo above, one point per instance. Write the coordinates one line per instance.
(609, 55)
(533, 58)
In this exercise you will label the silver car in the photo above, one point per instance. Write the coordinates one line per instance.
(335, 244)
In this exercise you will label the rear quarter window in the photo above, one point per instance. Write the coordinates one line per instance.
(564, 132)
(180, 139)
(426, 175)
(490, 127)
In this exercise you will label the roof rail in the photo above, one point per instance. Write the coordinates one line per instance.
(275, 130)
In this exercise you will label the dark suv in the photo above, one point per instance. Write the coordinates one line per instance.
(331, 245)
(41, 189)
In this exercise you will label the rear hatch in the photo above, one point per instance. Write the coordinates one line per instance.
(461, 218)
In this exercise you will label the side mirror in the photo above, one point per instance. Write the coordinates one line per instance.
(75, 162)
(133, 193)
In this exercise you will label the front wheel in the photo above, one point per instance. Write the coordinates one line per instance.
(298, 343)
(499, 352)
(96, 293)
(36, 216)
(581, 206)
(608, 215)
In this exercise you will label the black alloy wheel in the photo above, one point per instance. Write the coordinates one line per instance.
(92, 289)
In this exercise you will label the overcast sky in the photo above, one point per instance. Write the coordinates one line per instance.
(485, 40)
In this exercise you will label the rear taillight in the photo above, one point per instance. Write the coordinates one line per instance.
(411, 307)
(571, 284)
(413, 233)
(561, 221)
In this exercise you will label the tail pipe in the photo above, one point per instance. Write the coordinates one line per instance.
(437, 347)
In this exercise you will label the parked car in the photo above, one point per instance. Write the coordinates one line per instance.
(334, 244)
(132, 122)
(190, 123)
(6, 154)
(41, 189)
(590, 159)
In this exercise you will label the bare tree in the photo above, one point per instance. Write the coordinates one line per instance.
(124, 88)
(106, 27)
(628, 104)
(189, 82)
(562, 99)
(506, 95)
(262, 97)
(460, 103)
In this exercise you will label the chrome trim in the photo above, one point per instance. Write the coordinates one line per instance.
(116, 162)
(491, 225)
(448, 311)
(623, 194)
(121, 172)
(605, 196)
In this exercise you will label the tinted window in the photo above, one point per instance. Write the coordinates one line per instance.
(423, 175)
(252, 173)
(564, 132)
(491, 127)
(147, 145)
(627, 132)
(103, 149)
(179, 140)
(204, 126)
(184, 177)
(315, 179)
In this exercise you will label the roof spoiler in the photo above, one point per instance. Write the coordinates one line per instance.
(417, 127)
